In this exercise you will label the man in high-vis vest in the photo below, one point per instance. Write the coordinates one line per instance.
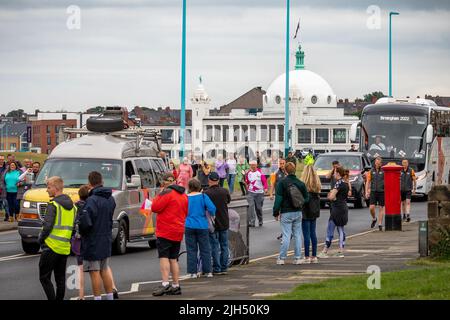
(55, 239)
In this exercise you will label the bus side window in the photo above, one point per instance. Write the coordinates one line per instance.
(129, 171)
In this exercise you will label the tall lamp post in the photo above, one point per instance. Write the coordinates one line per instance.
(286, 102)
(183, 83)
(390, 50)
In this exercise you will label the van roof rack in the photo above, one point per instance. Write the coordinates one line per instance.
(139, 134)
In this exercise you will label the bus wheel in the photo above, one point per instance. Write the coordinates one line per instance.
(30, 247)
(120, 244)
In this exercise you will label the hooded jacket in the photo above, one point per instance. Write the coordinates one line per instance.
(95, 224)
(49, 219)
(171, 207)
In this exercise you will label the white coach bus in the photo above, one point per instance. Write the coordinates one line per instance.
(417, 130)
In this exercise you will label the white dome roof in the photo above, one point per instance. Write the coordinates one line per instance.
(309, 87)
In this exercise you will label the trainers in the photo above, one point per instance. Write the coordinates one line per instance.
(323, 254)
(302, 261)
(380, 228)
(193, 276)
(408, 219)
(314, 260)
(280, 262)
(374, 222)
(174, 291)
(340, 254)
(209, 275)
(115, 294)
(162, 290)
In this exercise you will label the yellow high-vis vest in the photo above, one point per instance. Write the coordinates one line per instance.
(59, 238)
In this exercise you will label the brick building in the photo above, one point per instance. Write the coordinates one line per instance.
(47, 127)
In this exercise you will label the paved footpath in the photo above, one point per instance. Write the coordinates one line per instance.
(263, 278)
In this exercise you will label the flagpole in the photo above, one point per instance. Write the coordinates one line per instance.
(183, 83)
(286, 102)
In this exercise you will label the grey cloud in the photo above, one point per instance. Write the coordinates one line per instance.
(361, 4)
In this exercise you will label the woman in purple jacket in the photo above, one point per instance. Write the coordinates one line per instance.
(221, 169)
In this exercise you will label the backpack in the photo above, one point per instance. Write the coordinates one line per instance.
(295, 196)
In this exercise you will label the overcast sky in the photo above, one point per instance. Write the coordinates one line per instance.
(128, 52)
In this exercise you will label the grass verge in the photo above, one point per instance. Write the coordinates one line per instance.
(428, 279)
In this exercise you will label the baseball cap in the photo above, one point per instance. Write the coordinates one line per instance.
(213, 176)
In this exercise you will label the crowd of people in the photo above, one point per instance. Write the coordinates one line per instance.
(14, 184)
(193, 204)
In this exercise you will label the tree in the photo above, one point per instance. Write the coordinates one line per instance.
(374, 96)
(96, 110)
(17, 115)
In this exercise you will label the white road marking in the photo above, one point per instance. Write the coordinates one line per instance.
(7, 232)
(8, 242)
(135, 286)
(290, 253)
(17, 257)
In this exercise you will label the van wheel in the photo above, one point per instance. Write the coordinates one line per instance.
(152, 243)
(104, 124)
(120, 244)
(30, 247)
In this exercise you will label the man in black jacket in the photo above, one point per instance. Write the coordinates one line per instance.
(55, 239)
(221, 198)
(96, 231)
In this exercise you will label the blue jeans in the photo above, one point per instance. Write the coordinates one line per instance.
(197, 240)
(309, 235)
(4, 206)
(13, 204)
(230, 180)
(219, 255)
(291, 224)
(330, 234)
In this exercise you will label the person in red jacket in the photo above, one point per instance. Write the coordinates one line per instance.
(171, 207)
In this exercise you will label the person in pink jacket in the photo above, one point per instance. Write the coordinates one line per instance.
(257, 188)
(185, 173)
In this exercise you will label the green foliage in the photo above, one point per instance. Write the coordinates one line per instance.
(370, 97)
(96, 110)
(18, 114)
(442, 248)
(425, 281)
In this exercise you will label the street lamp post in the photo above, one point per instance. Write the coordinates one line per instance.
(390, 50)
(286, 102)
(183, 83)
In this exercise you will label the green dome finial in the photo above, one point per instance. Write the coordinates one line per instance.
(300, 58)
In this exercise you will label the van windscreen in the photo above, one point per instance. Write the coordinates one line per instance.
(75, 172)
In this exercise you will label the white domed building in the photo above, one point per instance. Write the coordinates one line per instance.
(315, 121)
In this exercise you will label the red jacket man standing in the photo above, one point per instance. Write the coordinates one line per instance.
(171, 207)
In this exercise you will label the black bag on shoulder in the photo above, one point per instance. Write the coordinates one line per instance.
(295, 196)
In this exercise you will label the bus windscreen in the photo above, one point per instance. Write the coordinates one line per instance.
(394, 136)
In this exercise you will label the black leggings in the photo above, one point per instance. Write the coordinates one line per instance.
(13, 204)
(242, 185)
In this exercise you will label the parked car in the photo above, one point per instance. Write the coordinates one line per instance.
(128, 161)
(356, 162)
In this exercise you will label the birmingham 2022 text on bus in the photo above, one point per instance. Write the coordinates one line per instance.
(417, 130)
